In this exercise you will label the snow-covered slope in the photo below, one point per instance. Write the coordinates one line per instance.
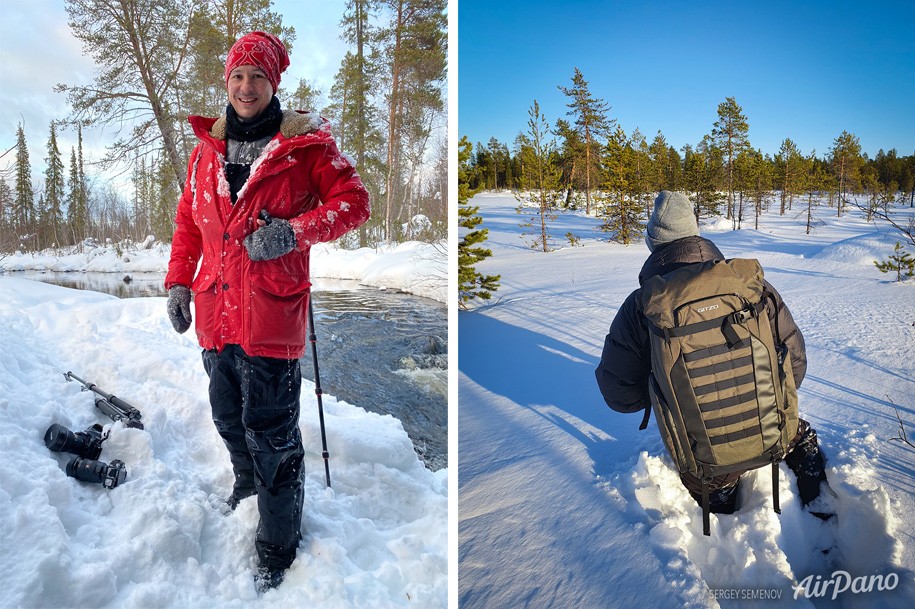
(564, 503)
(378, 538)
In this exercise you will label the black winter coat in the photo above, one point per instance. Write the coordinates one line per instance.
(622, 374)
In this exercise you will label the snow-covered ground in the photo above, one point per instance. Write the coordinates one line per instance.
(414, 267)
(564, 503)
(377, 538)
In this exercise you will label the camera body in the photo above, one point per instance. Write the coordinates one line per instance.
(87, 445)
(89, 470)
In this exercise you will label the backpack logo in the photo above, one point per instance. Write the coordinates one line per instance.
(708, 308)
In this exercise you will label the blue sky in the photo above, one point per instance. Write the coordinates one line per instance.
(804, 70)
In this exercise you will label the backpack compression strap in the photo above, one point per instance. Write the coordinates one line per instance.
(724, 322)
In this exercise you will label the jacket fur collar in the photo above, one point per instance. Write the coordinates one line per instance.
(294, 123)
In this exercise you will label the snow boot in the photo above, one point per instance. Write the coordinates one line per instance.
(808, 464)
(268, 579)
(724, 500)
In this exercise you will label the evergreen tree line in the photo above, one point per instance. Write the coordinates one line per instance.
(590, 162)
(159, 62)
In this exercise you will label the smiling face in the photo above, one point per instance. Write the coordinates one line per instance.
(249, 91)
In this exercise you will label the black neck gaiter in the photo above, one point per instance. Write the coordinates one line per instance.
(267, 123)
(261, 127)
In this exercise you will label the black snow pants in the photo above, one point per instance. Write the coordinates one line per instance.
(255, 403)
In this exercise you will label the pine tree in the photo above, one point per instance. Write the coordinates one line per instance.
(23, 213)
(7, 243)
(621, 208)
(593, 122)
(788, 163)
(139, 48)
(870, 182)
(701, 173)
(899, 261)
(53, 192)
(571, 153)
(524, 155)
(545, 175)
(674, 172)
(658, 154)
(306, 96)
(415, 44)
(846, 162)
(641, 162)
(756, 177)
(77, 198)
(471, 284)
(814, 181)
(730, 134)
(358, 122)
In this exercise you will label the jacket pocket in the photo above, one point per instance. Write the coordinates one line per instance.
(204, 289)
(278, 311)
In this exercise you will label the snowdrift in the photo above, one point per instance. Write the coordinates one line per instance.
(378, 538)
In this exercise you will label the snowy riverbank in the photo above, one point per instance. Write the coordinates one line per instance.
(414, 267)
(564, 503)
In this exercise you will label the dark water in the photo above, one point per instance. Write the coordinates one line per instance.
(381, 350)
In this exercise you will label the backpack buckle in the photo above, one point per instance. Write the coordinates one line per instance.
(739, 317)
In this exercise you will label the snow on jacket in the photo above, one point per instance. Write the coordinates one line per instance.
(622, 374)
(300, 176)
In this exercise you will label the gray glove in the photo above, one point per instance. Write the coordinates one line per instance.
(179, 308)
(272, 240)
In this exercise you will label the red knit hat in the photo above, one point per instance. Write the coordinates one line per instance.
(262, 50)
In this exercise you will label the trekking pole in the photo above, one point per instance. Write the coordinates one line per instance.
(313, 339)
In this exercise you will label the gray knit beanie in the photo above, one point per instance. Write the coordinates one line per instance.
(671, 219)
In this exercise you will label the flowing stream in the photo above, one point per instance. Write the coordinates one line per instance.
(381, 350)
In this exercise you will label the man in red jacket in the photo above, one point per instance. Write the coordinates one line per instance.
(263, 186)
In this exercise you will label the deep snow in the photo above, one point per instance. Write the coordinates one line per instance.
(564, 503)
(378, 538)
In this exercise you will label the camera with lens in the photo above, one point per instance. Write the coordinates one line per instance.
(89, 470)
(87, 443)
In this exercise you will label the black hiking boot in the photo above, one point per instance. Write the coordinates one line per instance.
(807, 462)
(724, 500)
(268, 579)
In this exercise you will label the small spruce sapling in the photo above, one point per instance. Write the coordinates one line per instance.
(900, 261)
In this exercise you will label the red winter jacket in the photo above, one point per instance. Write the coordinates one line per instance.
(300, 176)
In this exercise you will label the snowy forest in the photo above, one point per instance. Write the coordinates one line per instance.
(586, 160)
(159, 62)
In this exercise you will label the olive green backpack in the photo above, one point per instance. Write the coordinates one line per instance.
(721, 384)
